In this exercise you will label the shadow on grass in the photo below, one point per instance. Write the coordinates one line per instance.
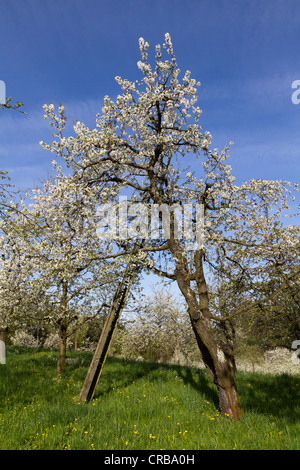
(272, 395)
(134, 370)
(200, 381)
(277, 396)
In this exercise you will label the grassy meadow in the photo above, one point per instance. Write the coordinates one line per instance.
(139, 405)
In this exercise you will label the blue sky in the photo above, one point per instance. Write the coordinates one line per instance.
(245, 54)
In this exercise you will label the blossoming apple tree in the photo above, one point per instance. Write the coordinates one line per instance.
(11, 265)
(150, 142)
(55, 234)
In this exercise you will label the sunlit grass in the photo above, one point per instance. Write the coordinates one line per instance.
(138, 405)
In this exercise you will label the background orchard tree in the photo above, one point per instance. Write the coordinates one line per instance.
(17, 295)
(151, 142)
(258, 300)
(275, 322)
(58, 230)
(11, 263)
(158, 328)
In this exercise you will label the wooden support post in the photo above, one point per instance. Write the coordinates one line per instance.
(96, 366)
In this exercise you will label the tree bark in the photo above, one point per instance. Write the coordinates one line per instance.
(3, 334)
(218, 361)
(62, 332)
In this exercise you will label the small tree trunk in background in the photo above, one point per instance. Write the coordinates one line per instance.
(75, 341)
(3, 334)
(62, 329)
(62, 332)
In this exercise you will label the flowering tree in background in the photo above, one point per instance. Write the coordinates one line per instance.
(11, 272)
(12, 286)
(159, 329)
(150, 142)
(55, 234)
(273, 313)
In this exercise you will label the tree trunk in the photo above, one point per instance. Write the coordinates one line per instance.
(62, 332)
(62, 329)
(229, 401)
(219, 366)
(75, 341)
(3, 334)
(217, 358)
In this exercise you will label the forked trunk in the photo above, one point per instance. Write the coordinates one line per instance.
(218, 360)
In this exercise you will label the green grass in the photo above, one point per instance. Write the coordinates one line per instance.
(138, 406)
